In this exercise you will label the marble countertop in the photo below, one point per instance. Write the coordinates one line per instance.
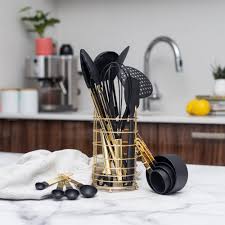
(151, 117)
(201, 202)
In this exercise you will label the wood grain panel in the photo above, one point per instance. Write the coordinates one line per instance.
(78, 135)
(23, 135)
(212, 151)
(149, 132)
(42, 134)
(49, 135)
(167, 139)
(176, 138)
(17, 135)
(28, 135)
(5, 135)
(54, 135)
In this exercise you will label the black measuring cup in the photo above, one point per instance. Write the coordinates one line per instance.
(168, 175)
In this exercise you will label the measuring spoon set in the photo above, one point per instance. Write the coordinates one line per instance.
(66, 187)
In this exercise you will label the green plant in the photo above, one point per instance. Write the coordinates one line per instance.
(218, 72)
(38, 21)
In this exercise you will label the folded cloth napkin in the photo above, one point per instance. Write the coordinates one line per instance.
(17, 181)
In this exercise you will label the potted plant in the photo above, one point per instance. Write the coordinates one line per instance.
(38, 22)
(219, 76)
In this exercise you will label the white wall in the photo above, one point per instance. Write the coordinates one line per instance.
(15, 43)
(99, 25)
(197, 26)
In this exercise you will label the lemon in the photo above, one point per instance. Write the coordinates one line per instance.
(198, 107)
(202, 108)
(191, 105)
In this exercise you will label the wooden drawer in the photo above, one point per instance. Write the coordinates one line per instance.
(198, 144)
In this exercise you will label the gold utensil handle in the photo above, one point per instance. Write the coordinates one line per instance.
(144, 152)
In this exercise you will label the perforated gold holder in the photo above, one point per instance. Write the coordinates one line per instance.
(110, 149)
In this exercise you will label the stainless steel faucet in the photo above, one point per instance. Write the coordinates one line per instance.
(178, 65)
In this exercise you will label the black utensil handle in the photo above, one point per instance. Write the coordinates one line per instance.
(115, 100)
(131, 153)
(124, 121)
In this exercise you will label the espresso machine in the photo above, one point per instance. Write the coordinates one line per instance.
(56, 76)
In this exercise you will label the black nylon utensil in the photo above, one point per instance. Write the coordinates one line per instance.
(94, 75)
(119, 62)
(115, 67)
(123, 55)
(132, 88)
(145, 84)
(87, 70)
(108, 65)
(103, 62)
(131, 94)
(92, 80)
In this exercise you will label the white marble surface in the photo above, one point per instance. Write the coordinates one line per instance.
(201, 202)
(149, 117)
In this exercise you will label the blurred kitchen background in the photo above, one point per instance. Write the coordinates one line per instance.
(174, 124)
(99, 25)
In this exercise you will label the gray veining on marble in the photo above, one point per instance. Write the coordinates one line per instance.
(201, 202)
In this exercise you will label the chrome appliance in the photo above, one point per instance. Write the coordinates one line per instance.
(57, 79)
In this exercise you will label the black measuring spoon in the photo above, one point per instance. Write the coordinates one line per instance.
(41, 185)
(58, 193)
(88, 191)
(45, 184)
(70, 192)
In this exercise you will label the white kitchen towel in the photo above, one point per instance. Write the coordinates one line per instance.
(17, 181)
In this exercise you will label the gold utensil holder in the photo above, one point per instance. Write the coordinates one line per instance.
(110, 154)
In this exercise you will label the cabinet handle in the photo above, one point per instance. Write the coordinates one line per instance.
(208, 135)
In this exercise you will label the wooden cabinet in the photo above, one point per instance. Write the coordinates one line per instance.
(198, 144)
(5, 135)
(149, 133)
(27, 135)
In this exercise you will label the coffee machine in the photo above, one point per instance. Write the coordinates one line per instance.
(57, 81)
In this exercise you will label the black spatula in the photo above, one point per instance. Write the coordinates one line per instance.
(132, 88)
